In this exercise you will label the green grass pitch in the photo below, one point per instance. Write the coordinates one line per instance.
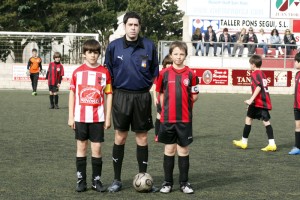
(38, 152)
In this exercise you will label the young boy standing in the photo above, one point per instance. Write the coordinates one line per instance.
(296, 149)
(34, 67)
(54, 75)
(87, 115)
(258, 106)
(167, 62)
(178, 90)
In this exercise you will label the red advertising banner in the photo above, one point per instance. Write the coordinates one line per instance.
(275, 78)
(212, 76)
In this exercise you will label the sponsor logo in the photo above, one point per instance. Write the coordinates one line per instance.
(207, 77)
(115, 159)
(120, 57)
(90, 96)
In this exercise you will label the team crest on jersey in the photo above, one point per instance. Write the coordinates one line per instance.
(186, 82)
(90, 95)
(101, 80)
(58, 69)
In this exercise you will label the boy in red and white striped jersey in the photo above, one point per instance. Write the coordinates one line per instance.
(87, 114)
(296, 149)
(258, 106)
(178, 89)
(54, 75)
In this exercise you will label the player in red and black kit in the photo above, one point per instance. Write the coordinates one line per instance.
(178, 90)
(167, 62)
(296, 149)
(258, 106)
(54, 75)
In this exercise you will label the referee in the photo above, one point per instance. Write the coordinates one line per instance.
(133, 64)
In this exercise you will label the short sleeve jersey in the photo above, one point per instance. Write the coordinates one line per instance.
(55, 73)
(297, 91)
(89, 85)
(178, 86)
(35, 64)
(262, 100)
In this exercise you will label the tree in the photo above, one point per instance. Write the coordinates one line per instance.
(57, 16)
(161, 19)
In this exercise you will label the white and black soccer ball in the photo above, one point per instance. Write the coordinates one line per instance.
(143, 182)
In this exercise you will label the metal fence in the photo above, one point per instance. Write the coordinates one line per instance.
(16, 47)
(219, 49)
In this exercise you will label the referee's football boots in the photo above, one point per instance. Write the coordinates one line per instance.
(81, 185)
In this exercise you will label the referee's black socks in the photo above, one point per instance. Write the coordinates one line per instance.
(142, 157)
(117, 156)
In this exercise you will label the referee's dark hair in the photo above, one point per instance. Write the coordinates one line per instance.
(132, 14)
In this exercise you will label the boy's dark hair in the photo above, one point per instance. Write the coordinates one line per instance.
(132, 14)
(34, 49)
(180, 45)
(56, 55)
(167, 60)
(297, 57)
(91, 45)
(256, 60)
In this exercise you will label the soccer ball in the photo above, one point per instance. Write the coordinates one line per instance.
(143, 182)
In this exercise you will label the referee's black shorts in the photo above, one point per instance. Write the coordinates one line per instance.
(132, 108)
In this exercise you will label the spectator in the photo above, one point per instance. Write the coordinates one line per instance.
(275, 42)
(210, 39)
(262, 41)
(290, 42)
(197, 41)
(251, 41)
(225, 38)
(240, 40)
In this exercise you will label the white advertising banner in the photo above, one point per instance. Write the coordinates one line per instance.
(285, 9)
(228, 8)
(19, 72)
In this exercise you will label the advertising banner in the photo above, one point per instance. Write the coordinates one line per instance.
(275, 78)
(285, 9)
(212, 76)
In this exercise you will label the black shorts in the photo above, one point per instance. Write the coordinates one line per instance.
(132, 108)
(53, 88)
(258, 113)
(172, 133)
(89, 131)
(297, 114)
(158, 108)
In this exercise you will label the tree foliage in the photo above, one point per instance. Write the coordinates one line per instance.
(161, 20)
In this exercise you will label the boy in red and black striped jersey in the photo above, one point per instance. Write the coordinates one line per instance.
(54, 75)
(89, 114)
(296, 149)
(167, 62)
(178, 90)
(258, 106)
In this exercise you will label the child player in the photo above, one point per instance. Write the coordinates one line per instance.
(34, 67)
(258, 106)
(296, 149)
(54, 75)
(167, 62)
(87, 115)
(178, 90)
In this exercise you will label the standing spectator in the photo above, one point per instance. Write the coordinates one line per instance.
(240, 40)
(178, 89)
(251, 41)
(54, 75)
(210, 39)
(290, 41)
(133, 63)
(34, 67)
(226, 40)
(262, 40)
(275, 41)
(197, 41)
